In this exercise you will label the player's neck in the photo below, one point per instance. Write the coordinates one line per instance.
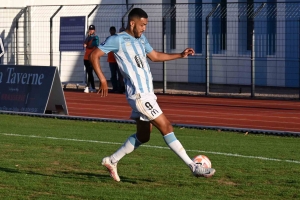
(128, 31)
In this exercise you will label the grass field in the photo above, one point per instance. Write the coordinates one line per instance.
(60, 159)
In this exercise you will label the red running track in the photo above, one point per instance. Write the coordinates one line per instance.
(276, 115)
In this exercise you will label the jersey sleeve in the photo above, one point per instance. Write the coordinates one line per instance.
(111, 43)
(148, 47)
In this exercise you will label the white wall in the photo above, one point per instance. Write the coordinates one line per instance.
(23, 3)
(224, 71)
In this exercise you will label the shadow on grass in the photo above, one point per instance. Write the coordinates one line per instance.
(74, 175)
(108, 178)
(8, 170)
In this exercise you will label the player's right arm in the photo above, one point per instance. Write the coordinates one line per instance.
(95, 60)
(156, 56)
(110, 44)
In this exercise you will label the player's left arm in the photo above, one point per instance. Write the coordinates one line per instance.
(156, 56)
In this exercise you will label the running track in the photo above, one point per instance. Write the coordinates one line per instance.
(274, 115)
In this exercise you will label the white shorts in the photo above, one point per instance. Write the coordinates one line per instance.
(144, 106)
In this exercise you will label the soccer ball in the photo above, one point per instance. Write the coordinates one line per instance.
(202, 160)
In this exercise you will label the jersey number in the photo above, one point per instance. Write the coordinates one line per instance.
(150, 107)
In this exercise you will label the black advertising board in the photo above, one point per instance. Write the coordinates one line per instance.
(30, 89)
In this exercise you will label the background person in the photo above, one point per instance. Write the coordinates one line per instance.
(91, 42)
(116, 76)
(131, 50)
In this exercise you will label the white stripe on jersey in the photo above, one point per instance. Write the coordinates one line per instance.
(132, 60)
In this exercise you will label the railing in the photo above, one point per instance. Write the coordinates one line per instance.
(242, 49)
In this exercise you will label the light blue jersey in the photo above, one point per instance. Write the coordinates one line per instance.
(131, 56)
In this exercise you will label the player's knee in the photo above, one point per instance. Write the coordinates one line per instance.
(143, 138)
(168, 127)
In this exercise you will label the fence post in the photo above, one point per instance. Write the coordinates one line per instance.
(206, 58)
(22, 11)
(51, 35)
(207, 49)
(253, 65)
(164, 47)
(27, 41)
(253, 50)
(128, 10)
(163, 50)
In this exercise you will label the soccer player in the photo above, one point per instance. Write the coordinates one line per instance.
(131, 49)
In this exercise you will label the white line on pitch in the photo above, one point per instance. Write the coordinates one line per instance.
(150, 146)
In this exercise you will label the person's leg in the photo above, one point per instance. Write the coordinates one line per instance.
(86, 65)
(166, 129)
(147, 105)
(113, 72)
(121, 87)
(87, 83)
(142, 135)
(91, 76)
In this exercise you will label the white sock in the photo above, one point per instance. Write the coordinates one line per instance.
(129, 146)
(177, 147)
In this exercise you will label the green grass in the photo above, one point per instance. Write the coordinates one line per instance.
(60, 159)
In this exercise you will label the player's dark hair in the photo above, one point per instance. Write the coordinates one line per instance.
(137, 13)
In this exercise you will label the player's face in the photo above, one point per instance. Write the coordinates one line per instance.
(139, 26)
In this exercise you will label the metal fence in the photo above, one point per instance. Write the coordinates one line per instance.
(242, 49)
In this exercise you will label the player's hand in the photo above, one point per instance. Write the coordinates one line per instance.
(103, 89)
(188, 51)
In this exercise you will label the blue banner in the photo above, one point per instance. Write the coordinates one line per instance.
(72, 33)
(25, 88)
